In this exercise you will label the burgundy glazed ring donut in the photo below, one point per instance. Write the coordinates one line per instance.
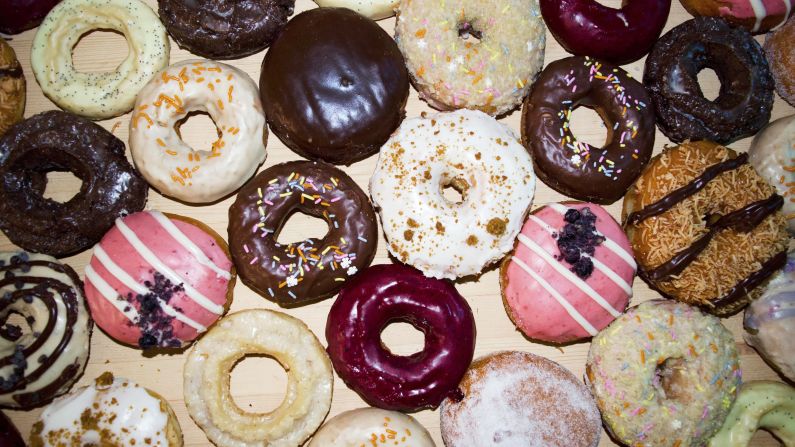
(587, 28)
(385, 294)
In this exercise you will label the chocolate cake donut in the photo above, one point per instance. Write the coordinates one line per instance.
(746, 94)
(60, 141)
(12, 88)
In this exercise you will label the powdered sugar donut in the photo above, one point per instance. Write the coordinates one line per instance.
(472, 153)
(570, 275)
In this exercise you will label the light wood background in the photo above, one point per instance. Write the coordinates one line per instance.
(259, 383)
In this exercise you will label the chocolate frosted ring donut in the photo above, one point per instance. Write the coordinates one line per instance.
(385, 294)
(302, 272)
(60, 141)
(746, 94)
(575, 168)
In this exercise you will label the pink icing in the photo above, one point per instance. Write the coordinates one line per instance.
(742, 9)
(173, 254)
(535, 311)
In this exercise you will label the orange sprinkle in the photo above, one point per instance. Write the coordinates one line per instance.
(170, 152)
(177, 179)
(671, 320)
(229, 94)
(115, 126)
(642, 356)
(641, 411)
(139, 116)
(143, 107)
(220, 104)
(216, 69)
(229, 77)
(713, 347)
(210, 86)
(650, 335)
(678, 443)
(182, 74)
(200, 79)
(477, 79)
(161, 143)
(185, 173)
(421, 33)
(692, 349)
(789, 168)
(421, 71)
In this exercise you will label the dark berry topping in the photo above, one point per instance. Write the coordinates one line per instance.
(154, 323)
(577, 241)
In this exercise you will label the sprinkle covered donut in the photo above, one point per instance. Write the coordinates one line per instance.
(772, 154)
(472, 54)
(475, 155)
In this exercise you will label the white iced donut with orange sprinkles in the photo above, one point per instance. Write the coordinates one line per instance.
(372, 426)
(175, 169)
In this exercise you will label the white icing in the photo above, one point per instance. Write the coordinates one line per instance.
(374, 9)
(759, 12)
(188, 244)
(110, 294)
(357, 427)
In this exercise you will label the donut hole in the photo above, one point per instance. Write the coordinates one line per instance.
(61, 186)
(709, 83)
(402, 339)
(198, 130)
(90, 55)
(582, 125)
(670, 380)
(15, 326)
(300, 226)
(469, 32)
(247, 379)
(455, 190)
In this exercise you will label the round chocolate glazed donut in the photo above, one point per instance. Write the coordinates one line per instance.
(385, 294)
(313, 269)
(334, 85)
(224, 29)
(60, 141)
(573, 167)
(620, 36)
(746, 93)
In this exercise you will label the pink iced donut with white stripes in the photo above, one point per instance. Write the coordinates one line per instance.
(570, 275)
(756, 16)
(158, 280)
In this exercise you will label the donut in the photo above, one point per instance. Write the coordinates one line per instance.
(770, 321)
(518, 398)
(9, 435)
(373, 9)
(253, 332)
(106, 94)
(772, 154)
(111, 412)
(472, 153)
(471, 54)
(616, 35)
(756, 16)
(231, 99)
(369, 426)
(158, 280)
(570, 275)
(59, 141)
(573, 167)
(46, 356)
(331, 95)
(664, 373)
(21, 15)
(705, 228)
(302, 272)
(12, 88)
(385, 294)
(746, 95)
(760, 404)
(781, 57)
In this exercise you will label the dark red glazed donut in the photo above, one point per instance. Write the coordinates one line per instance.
(385, 294)
(588, 28)
(20, 15)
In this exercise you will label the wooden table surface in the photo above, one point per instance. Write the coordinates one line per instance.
(259, 383)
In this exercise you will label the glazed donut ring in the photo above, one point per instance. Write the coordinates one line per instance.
(231, 99)
(761, 404)
(98, 95)
(291, 343)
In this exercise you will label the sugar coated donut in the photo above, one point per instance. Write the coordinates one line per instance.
(781, 56)
(110, 412)
(570, 275)
(472, 153)
(9, 435)
(380, 296)
(374, 9)
(706, 229)
(756, 16)
(45, 358)
(517, 398)
(158, 280)
(260, 331)
(663, 374)
(231, 99)
(12, 88)
(760, 404)
(472, 54)
(371, 426)
(772, 154)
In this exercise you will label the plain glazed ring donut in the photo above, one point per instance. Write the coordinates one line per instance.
(231, 99)
(761, 404)
(98, 95)
(663, 374)
(371, 426)
(293, 345)
(384, 294)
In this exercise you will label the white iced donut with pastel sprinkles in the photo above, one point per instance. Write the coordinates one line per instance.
(374, 9)
(772, 154)
(175, 169)
(368, 426)
(477, 156)
(472, 54)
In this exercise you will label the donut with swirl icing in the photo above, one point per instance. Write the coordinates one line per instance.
(756, 16)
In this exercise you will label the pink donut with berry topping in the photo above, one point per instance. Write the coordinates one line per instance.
(570, 274)
(159, 280)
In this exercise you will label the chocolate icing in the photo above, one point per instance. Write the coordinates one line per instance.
(746, 95)
(314, 188)
(9, 435)
(385, 294)
(334, 85)
(745, 286)
(59, 141)
(577, 169)
(11, 72)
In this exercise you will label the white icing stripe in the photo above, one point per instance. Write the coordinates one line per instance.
(576, 316)
(110, 294)
(759, 11)
(574, 279)
(140, 289)
(171, 275)
(788, 8)
(188, 244)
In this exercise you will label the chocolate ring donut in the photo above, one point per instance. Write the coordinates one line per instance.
(302, 272)
(385, 294)
(60, 141)
(573, 167)
(225, 29)
(746, 94)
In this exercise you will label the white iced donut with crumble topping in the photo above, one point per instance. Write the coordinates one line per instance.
(369, 426)
(472, 153)
(374, 9)
(175, 169)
